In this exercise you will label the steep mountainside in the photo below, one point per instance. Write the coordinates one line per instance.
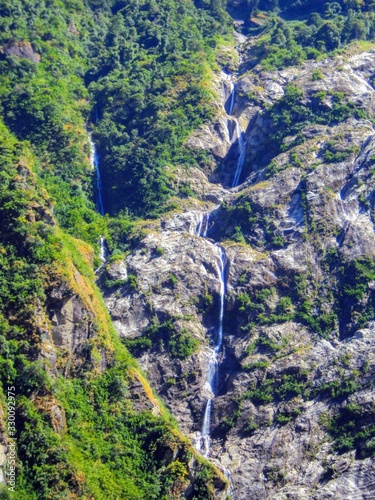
(87, 423)
(293, 414)
(187, 210)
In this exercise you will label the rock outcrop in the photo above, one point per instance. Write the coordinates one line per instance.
(20, 50)
(294, 415)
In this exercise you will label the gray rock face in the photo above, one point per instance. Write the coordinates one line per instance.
(20, 50)
(294, 414)
(70, 329)
(177, 272)
(215, 137)
(68, 317)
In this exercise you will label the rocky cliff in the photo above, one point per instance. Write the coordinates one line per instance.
(293, 416)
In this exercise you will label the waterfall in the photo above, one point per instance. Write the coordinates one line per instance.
(212, 380)
(237, 135)
(103, 250)
(205, 434)
(206, 225)
(241, 157)
(103, 254)
(228, 475)
(221, 272)
(232, 94)
(213, 365)
(200, 225)
(94, 159)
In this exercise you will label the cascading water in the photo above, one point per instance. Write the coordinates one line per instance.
(241, 157)
(207, 219)
(213, 365)
(103, 249)
(206, 429)
(94, 159)
(103, 254)
(221, 272)
(237, 134)
(231, 102)
(202, 227)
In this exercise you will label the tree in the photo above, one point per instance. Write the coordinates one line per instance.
(315, 20)
(353, 4)
(330, 35)
(331, 9)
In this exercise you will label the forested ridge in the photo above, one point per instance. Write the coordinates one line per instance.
(67, 68)
(308, 30)
(135, 72)
(137, 75)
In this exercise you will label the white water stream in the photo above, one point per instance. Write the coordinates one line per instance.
(202, 227)
(237, 135)
(213, 365)
(212, 380)
(94, 160)
(241, 157)
(212, 377)
(103, 254)
(232, 95)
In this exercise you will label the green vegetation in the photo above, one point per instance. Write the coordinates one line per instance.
(282, 389)
(43, 99)
(346, 305)
(149, 76)
(290, 114)
(283, 419)
(352, 427)
(33, 255)
(332, 155)
(242, 217)
(207, 301)
(317, 28)
(258, 309)
(316, 75)
(144, 69)
(179, 343)
(138, 344)
(98, 425)
(343, 305)
(257, 365)
(138, 72)
(339, 387)
(356, 300)
(137, 75)
(228, 423)
(288, 386)
(78, 434)
(173, 280)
